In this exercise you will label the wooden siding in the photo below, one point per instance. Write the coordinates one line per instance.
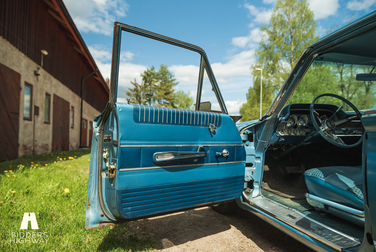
(60, 132)
(35, 25)
(9, 112)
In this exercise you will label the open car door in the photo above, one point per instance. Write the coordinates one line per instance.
(148, 160)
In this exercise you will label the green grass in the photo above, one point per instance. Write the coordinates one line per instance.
(40, 184)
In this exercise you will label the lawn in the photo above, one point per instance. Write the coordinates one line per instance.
(54, 187)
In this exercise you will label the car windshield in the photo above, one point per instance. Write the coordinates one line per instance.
(336, 78)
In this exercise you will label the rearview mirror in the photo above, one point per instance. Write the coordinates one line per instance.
(366, 77)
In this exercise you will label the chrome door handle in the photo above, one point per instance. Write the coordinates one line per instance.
(224, 153)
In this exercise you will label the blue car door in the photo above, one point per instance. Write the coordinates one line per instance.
(149, 160)
(369, 161)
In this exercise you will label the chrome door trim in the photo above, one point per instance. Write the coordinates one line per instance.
(176, 166)
(177, 145)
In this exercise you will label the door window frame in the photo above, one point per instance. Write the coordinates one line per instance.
(204, 62)
(29, 118)
(48, 121)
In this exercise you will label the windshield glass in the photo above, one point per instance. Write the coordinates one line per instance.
(336, 78)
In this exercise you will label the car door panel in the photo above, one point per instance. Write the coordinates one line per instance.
(369, 153)
(143, 188)
(150, 160)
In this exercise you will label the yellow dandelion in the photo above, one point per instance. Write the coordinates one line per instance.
(32, 162)
(70, 158)
(75, 157)
(66, 190)
(5, 171)
(42, 169)
(14, 175)
(54, 162)
(7, 175)
(70, 166)
(10, 171)
(36, 165)
(65, 158)
(60, 159)
(45, 165)
(88, 159)
(13, 192)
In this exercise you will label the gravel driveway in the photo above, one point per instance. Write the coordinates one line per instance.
(203, 229)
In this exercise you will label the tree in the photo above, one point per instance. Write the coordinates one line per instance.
(149, 79)
(157, 88)
(292, 28)
(183, 100)
(164, 94)
(135, 94)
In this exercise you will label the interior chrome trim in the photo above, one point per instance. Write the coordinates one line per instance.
(177, 145)
(346, 209)
(176, 166)
(298, 221)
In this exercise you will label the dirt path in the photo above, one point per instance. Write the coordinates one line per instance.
(206, 230)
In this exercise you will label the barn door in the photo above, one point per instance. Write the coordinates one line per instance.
(60, 131)
(9, 112)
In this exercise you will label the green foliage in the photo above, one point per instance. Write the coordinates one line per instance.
(336, 78)
(144, 93)
(319, 79)
(54, 187)
(183, 100)
(164, 94)
(292, 28)
(158, 89)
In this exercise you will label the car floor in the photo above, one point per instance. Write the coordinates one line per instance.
(329, 220)
(283, 182)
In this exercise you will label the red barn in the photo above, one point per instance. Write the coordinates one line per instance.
(44, 64)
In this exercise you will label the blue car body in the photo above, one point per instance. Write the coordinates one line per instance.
(149, 161)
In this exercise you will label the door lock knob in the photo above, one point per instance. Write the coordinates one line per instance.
(224, 153)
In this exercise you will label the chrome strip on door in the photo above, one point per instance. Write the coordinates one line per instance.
(175, 166)
(177, 145)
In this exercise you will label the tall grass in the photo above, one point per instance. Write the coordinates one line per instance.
(54, 187)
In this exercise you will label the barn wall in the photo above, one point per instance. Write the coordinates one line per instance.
(45, 82)
(35, 25)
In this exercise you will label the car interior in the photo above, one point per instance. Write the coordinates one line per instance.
(313, 162)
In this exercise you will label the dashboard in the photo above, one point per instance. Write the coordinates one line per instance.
(295, 123)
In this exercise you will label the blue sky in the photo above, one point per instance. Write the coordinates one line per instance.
(229, 32)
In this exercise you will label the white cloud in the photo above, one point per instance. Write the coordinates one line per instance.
(99, 54)
(234, 106)
(185, 74)
(268, 1)
(253, 38)
(96, 16)
(238, 65)
(324, 8)
(261, 15)
(360, 5)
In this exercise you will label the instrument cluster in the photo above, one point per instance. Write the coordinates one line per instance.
(294, 126)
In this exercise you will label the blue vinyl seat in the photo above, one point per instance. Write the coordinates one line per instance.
(339, 188)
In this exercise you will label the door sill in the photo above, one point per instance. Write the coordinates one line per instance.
(296, 220)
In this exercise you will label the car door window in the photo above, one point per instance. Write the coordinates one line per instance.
(162, 75)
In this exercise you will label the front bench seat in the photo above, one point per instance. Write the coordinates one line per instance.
(338, 190)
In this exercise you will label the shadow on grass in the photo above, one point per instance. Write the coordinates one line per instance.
(128, 237)
(167, 231)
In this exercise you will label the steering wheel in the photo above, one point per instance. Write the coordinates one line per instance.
(328, 125)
